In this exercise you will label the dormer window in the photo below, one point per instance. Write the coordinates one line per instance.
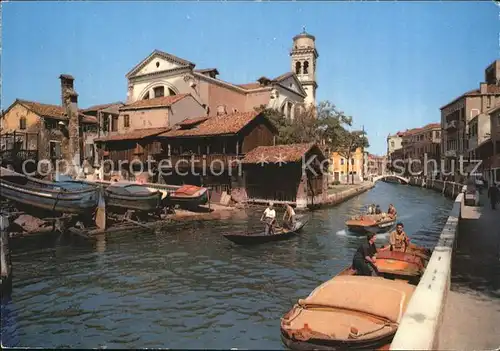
(146, 96)
(171, 92)
(157, 64)
(22, 123)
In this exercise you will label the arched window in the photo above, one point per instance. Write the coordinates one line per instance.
(283, 108)
(171, 92)
(289, 110)
(306, 67)
(297, 67)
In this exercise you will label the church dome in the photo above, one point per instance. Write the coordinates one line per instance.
(304, 40)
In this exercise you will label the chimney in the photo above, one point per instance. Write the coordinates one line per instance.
(221, 110)
(483, 87)
(71, 146)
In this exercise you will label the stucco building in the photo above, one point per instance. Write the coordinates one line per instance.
(163, 74)
(340, 167)
(463, 120)
(32, 129)
(421, 149)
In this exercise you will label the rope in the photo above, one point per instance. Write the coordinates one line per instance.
(386, 324)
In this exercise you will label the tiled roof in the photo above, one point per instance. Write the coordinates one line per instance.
(490, 89)
(258, 85)
(101, 107)
(283, 76)
(134, 135)
(250, 86)
(206, 70)
(219, 125)
(53, 111)
(421, 129)
(192, 121)
(277, 153)
(164, 101)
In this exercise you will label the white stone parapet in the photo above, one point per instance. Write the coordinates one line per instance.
(419, 327)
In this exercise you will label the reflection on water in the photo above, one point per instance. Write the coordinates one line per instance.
(188, 287)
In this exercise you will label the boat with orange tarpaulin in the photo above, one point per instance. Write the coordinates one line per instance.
(408, 266)
(368, 223)
(347, 312)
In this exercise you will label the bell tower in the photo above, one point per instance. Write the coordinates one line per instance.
(304, 56)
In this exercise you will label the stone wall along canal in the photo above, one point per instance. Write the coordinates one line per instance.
(190, 288)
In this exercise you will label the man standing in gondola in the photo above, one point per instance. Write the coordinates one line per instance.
(269, 216)
(289, 217)
(364, 259)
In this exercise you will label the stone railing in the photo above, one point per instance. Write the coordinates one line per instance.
(419, 327)
(450, 189)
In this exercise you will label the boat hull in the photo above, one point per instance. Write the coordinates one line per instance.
(143, 203)
(398, 265)
(370, 226)
(383, 343)
(341, 314)
(169, 193)
(261, 238)
(51, 198)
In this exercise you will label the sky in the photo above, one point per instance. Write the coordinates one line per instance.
(389, 65)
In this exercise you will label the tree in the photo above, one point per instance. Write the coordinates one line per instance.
(322, 125)
(348, 143)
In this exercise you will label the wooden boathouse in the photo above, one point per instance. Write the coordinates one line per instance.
(207, 151)
(121, 150)
(295, 174)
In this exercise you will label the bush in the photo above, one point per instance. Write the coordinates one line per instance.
(336, 182)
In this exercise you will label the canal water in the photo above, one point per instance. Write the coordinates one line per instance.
(190, 287)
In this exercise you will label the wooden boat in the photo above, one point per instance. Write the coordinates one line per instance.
(124, 196)
(262, 237)
(347, 313)
(371, 223)
(187, 196)
(58, 197)
(396, 266)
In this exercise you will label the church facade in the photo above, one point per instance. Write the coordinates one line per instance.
(162, 74)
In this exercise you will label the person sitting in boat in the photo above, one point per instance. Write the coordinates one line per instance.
(392, 211)
(289, 217)
(371, 209)
(364, 259)
(378, 210)
(398, 240)
(269, 216)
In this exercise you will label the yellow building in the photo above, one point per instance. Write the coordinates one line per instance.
(338, 166)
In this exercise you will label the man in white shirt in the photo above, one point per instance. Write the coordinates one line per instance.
(269, 216)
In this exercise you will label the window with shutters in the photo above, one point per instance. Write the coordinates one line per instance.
(126, 121)
(22, 123)
(114, 123)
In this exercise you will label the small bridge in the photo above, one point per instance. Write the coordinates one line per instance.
(391, 177)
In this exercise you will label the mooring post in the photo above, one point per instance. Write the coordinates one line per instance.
(5, 263)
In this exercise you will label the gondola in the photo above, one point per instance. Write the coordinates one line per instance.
(121, 197)
(371, 224)
(347, 313)
(72, 197)
(261, 237)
